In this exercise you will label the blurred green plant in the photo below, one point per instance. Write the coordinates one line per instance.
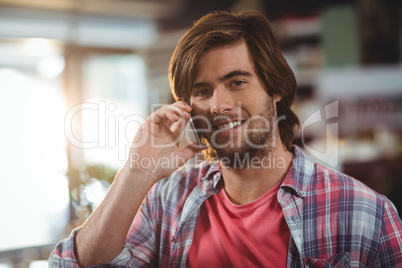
(101, 172)
(87, 184)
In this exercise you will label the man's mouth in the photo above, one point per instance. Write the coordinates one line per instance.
(228, 125)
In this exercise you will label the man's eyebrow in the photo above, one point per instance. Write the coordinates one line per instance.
(224, 78)
(199, 84)
(233, 74)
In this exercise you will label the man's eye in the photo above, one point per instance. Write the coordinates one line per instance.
(202, 92)
(237, 83)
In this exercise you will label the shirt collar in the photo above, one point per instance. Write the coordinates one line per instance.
(297, 178)
(214, 173)
(299, 175)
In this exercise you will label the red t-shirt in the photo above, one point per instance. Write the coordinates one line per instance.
(250, 235)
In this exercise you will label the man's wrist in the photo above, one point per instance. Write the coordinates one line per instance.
(145, 177)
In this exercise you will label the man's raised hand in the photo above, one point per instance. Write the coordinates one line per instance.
(155, 150)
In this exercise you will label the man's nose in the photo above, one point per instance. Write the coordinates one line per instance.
(221, 101)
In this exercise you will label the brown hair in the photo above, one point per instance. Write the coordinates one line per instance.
(222, 28)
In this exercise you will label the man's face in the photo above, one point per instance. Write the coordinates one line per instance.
(230, 104)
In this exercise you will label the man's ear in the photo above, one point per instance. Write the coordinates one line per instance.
(277, 97)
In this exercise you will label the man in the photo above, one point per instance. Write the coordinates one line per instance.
(262, 204)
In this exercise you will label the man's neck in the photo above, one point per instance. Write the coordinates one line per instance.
(246, 184)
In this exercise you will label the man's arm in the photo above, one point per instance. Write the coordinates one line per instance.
(102, 236)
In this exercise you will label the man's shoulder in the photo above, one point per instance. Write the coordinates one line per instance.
(182, 181)
(329, 179)
(345, 189)
(319, 178)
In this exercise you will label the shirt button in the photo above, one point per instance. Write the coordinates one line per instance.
(203, 193)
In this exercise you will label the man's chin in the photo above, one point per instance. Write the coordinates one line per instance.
(242, 154)
(232, 153)
(235, 160)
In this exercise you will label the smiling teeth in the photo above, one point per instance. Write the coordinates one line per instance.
(229, 126)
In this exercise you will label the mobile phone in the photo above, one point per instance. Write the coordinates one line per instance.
(189, 135)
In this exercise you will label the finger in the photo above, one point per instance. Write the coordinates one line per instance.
(178, 127)
(176, 117)
(168, 116)
(183, 105)
(180, 109)
(172, 115)
(164, 115)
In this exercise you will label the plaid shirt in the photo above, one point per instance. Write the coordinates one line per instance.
(334, 220)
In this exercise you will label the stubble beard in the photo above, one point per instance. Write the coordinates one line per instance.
(258, 144)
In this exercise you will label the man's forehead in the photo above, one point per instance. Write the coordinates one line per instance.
(223, 61)
(237, 47)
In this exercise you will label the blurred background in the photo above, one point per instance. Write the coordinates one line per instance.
(78, 77)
